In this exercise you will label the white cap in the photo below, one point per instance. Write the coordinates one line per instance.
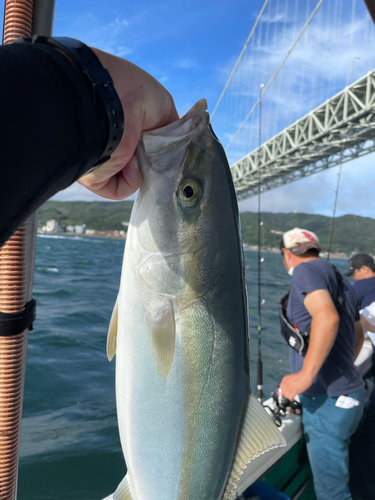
(300, 241)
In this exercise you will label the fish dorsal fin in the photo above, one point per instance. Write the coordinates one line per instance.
(163, 337)
(259, 434)
(112, 333)
(123, 490)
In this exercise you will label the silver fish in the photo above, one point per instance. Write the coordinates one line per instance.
(187, 419)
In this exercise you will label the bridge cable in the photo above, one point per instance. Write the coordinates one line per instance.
(260, 363)
(275, 74)
(335, 205)
(239, 58)
(349, 76)
(282, 40)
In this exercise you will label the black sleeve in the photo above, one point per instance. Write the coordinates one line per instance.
(49, 131)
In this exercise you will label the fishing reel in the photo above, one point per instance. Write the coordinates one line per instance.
(283, 406)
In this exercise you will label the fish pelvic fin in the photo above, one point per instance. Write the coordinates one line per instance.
(163, 338)
(112, 333)
(123, 490)
(259, 434)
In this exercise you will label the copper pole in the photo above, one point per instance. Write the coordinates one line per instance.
(18, 19)
(17, 22)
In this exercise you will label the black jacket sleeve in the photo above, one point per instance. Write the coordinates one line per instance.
(49, 131)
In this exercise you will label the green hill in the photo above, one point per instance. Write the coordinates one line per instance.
(351, 232)
(99, 215)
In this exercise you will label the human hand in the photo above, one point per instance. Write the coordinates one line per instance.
(294, 384)
(147, 105)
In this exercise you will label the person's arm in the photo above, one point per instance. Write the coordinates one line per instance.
(359, 338)
(147, 105)
(366, 325)
(324, 325)
(50, 134)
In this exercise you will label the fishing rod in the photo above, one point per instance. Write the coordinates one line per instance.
(334, 206)
(259, 364)
(17, 257)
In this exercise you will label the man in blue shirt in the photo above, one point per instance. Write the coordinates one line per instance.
(362, 268)
(331, 388)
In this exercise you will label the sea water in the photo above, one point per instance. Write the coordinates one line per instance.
(70, 448)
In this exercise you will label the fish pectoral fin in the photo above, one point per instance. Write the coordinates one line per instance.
(259, 434)
(112, 333)
(123, 491)
(163, 338)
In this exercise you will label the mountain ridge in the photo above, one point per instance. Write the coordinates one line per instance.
(352, 233)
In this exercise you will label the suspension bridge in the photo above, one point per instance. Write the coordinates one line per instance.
(338, 129)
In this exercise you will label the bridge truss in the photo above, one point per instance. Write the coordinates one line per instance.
(341, 129)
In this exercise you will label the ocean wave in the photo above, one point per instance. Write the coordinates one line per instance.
(48, 269)
(59, 293)
(78, 426)
(59, 237)
(87, 239)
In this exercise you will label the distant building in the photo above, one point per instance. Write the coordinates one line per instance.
(53, 226)
(90, 231)
(70, 229)
(80, 229)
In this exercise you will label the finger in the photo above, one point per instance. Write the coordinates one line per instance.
(130, 179)
(119, 186)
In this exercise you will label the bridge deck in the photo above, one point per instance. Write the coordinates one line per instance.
(341, 129)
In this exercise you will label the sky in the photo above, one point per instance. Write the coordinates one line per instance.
(191, 48)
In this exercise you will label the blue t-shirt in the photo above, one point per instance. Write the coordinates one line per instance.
(338, 375)
(365, 291)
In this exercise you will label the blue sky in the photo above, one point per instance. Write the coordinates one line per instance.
(191, 48)
(184, 44)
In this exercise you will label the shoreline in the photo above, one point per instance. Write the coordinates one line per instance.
(246, 247)
(83, 235)
(254, 248)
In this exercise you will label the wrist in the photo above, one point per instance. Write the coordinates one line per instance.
(105, 100)
(308, 375)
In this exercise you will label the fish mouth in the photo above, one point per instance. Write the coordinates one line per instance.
(172, 139)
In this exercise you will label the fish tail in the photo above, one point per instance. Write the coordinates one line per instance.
(123, 490)
(259, 435)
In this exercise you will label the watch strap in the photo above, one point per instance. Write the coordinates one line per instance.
(100, 84)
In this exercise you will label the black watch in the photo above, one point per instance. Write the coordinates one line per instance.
(99, 81)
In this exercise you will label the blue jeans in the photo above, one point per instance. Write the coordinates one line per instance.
(327, 430)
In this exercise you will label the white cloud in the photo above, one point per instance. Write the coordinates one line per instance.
(76, 192)
(122, 51)
(272, 19)
(96, 32)
(316, 194)
(332, 53)
(186, 63)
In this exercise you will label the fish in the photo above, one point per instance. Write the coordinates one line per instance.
(188, 421)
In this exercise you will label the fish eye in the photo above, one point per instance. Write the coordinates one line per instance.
(188, 192)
